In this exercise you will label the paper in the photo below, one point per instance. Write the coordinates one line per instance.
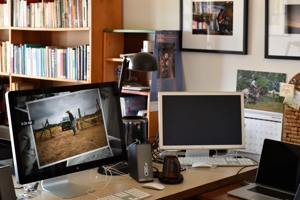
(293, 102)
(286, 90)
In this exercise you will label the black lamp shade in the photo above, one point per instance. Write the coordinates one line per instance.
(143, 61)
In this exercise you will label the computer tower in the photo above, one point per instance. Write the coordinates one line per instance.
(135, 129)
(140, 162)
(7, 190)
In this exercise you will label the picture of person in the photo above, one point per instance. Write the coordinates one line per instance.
(222, 21)
(28, 152)
(72, 120)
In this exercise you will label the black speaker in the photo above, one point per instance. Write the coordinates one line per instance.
(135, 128)
(7, 190)
(140, 162)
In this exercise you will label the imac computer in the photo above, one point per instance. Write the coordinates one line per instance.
(61, 130)
(196, 121)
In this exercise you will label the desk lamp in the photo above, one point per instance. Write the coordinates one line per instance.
(141, 61)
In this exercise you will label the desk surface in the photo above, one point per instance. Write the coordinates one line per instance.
(196, 181)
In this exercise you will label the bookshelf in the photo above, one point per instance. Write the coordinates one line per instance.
(103, 14)
(123, 41)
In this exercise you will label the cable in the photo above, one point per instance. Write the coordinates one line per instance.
(108, 170)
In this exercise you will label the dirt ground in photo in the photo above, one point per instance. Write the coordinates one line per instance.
(63, 144)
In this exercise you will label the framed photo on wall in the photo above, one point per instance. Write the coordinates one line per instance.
(214, 26)
(282, 29)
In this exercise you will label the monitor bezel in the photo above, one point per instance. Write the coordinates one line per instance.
(162, 146)
(60, 169)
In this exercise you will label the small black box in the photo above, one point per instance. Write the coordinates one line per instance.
(135, 129)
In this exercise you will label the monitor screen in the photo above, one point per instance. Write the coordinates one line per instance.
(62, 130)
(198, 120)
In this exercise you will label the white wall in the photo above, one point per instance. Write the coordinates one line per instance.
(208, 71)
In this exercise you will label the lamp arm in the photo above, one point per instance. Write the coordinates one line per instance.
(122, 73)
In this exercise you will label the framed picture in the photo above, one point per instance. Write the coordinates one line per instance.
(282, 34)
(214, 26)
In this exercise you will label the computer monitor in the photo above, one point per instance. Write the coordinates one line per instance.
(46, 144)
(201, 120)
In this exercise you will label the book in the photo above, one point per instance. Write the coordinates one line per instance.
(27, 58)
(131, 105)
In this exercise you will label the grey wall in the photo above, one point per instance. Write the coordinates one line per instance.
(207, 71)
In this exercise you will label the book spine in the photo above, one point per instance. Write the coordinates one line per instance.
(53, 62)
(88, 58)
(32, 13)
(33, 61)
(78, 62)
(57, 63)
(10, 57)
(81, 62)
(42, 61)
(79, 13)
(84, 62)
(3, 57)
(58, 13)
(15, 59)
(46, 62)
(21, 64)
(84, 13)
(1, 69)
(74, 71)
(64, 63)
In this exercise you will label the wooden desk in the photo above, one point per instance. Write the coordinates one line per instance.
(196, 181)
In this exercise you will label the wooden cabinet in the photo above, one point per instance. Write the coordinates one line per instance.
(103, 14)
(120, 41)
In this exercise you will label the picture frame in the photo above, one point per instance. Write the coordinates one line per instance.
(282, 33)
(201, 31)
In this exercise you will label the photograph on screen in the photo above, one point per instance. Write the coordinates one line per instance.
(261, 90)
(57, 137)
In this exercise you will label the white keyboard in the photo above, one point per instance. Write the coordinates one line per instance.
(132, 194)
(217, 161)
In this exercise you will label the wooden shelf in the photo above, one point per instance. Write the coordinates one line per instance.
(104, 14)
(122, 41)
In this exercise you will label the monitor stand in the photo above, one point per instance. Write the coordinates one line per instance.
(197, 153)
(204, 152)
(61, 187)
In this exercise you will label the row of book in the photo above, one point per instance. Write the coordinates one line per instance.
(46, 61)
(4, 17)
(51, 14)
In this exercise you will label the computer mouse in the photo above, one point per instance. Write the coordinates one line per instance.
(203, 165)
(155, 186)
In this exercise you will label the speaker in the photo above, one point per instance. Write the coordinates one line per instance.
(135, 128)
(7, 190)
(140, 162)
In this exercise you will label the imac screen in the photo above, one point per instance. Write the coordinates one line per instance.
(62, 130)
(195, 120)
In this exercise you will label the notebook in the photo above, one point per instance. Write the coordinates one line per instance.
(278, 171)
